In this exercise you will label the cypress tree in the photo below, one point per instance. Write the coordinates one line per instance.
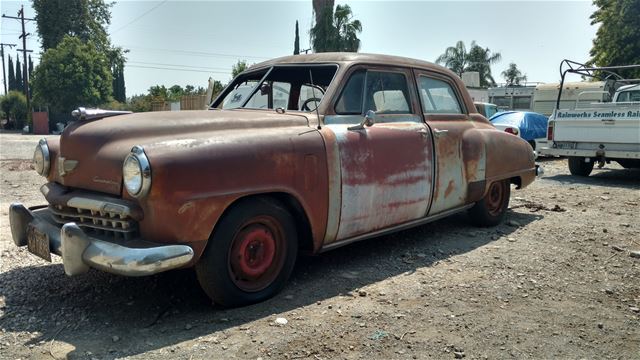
(19, 83)
(296, 42)
(12, 75)
(30, 66)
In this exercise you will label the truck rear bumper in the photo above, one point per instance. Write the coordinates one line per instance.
(612, 154)
(79, 251)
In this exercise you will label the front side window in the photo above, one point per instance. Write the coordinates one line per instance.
(438, 97)
(382, 92)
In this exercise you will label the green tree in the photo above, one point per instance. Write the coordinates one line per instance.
(12, 75)
(617, 40)
(455, 58)
(335, 31)
(513, 76)
(348, 29)
(30, 67)
(480, 59)
(139, 103)
(159, 92)
(238, 67)
(19, 82)
(14, 105)
(296, 41)
(175, 93)
(87, 20)
(73, 74)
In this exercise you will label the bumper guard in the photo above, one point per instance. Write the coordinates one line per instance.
(79, 251)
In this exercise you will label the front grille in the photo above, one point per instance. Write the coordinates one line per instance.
(102, 223)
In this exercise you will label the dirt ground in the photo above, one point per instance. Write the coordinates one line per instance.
(557, 280)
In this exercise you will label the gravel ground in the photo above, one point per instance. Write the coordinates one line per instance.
(557, 280)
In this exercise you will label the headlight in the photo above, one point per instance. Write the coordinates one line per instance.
(136, 173)
(41, 158)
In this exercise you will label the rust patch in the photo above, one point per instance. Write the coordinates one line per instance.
(450, 188)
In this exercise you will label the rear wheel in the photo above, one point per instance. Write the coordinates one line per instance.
(250, 255)
(492, 209)
(579, 167)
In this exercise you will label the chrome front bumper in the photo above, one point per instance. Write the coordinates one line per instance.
(79, 251)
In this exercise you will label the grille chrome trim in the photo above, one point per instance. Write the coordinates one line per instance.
(116, 224)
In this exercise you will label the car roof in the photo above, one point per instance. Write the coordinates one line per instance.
(629, 87)
(349, 58)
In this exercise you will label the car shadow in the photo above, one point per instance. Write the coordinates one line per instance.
(621, 178)
(109, 316)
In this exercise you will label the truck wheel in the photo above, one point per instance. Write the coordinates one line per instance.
(250, 254)
(491, 210)
(579, 167)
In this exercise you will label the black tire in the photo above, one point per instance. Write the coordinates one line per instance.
(579, 167)
(250, 254)
(492, 209)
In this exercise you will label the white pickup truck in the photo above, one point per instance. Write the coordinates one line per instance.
(598, 132)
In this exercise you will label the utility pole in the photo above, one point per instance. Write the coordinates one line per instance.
(25, 72)
(4, 74)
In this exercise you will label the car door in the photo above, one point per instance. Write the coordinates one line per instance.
(447, 117)
(382, 174)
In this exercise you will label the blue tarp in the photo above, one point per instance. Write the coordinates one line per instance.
(531, 125)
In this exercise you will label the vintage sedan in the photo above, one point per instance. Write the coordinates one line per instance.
(303, 153)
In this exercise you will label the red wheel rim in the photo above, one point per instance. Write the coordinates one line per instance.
(257, 254)
(495, 198)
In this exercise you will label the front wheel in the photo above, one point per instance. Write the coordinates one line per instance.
(250, 255)
(579, 167)
(492, 209)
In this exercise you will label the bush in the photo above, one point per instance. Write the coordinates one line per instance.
(14, 105)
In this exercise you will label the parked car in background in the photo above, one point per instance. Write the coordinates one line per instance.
(301, 153)
(486, 109)
(598, 132)
(528, 125)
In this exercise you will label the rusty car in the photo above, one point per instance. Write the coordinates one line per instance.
(301, 154)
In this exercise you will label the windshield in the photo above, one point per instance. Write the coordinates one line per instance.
(289, 87)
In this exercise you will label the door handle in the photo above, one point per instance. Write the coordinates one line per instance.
(423, 132)
(440, 133)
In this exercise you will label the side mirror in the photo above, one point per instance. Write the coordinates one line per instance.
(369, 120)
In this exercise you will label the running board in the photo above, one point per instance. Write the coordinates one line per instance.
(403, 226)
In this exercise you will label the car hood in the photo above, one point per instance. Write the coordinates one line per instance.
(97, 148)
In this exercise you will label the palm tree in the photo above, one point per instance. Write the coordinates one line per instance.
(348, 29)
(479, 59)
(335, 31)
(455, 58)
(513, 76)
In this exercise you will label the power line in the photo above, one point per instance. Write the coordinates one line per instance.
(175, 69)
(197, 53)
(139, 17)
(176, 65)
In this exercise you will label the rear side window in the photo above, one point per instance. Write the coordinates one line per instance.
(384, 93)
(438, 97)
(387, 93)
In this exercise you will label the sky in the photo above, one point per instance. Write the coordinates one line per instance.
(186, 42)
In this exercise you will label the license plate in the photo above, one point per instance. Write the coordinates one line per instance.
(569, 145)
(38, 243)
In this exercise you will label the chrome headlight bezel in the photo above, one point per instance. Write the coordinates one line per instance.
(144, 170)
(42, 149)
